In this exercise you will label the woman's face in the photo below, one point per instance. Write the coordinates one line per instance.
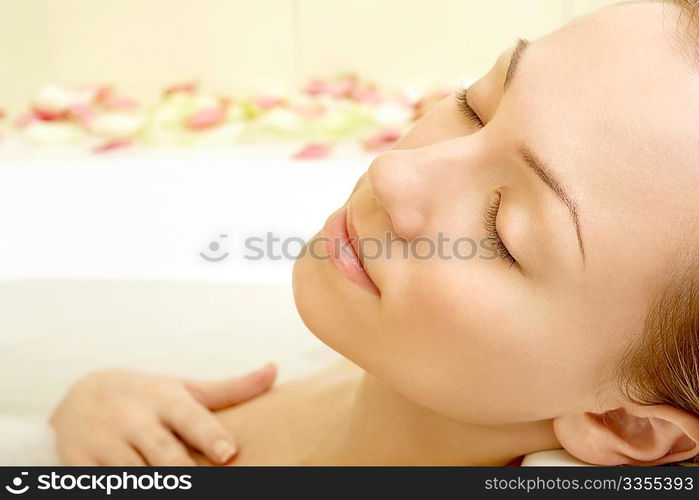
(584, 167)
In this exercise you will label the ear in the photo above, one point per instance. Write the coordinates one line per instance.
(634, 435)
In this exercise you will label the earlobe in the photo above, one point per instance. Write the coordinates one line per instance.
(634, 435)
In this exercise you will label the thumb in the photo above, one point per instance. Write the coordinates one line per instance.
(228, 392)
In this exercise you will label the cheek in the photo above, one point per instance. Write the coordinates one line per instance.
(471, 344)
(449, 339)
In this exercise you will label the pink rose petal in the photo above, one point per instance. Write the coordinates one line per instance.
(48, 115)
(206, 118)
(268, 102)
(83, 114)
(368, 96)
(118, 102)
(113, 144)
(309, 112)
(343, 88)
(185, 88)
(317, 87)
(312, 151)
(100, 92)
(25, 120)
(381, 141)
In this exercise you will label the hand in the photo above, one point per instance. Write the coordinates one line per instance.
(122, 417)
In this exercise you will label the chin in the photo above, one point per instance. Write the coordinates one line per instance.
(332, 308)
(313, 293)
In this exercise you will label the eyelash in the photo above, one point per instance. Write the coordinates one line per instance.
(466, 109)
(491, 213)
(491, 227)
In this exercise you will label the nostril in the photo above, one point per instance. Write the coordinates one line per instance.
(407, 222)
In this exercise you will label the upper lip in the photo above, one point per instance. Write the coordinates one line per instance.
(354, 238)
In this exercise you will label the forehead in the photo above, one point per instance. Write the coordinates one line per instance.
(612, 102)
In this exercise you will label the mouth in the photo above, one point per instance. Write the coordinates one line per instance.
(342, 245)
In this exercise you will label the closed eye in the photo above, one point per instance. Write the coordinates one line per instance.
(466, 109)
(490, 222)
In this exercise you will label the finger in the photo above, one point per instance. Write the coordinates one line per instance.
(225, 393)
(199, 428)
(120, 453)
(159, 446)
(75, 456)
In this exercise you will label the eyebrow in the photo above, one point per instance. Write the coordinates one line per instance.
(534, 162)
(546, 175)
(514, 61)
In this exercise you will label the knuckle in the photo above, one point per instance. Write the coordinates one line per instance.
(101, 377)
(163, 388)
(185, 417)
(195, 392)
(192, 419)
(159, 444)
(180, 458)
(128, 460)
(124, 415)
(122, 408)
(70, 454)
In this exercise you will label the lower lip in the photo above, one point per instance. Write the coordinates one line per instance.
(342, 253)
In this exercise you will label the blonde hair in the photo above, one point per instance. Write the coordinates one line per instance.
(662, 368)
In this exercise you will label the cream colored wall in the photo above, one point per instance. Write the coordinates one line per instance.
(240, 45)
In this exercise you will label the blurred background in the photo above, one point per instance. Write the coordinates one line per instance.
(234, 45)
(162, 125)
(143, 142)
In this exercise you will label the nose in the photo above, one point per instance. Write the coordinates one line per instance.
(396, 185)
(415, 185)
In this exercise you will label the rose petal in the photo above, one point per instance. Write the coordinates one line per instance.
(309, 112)
(312, 151)
(383, 140)
(317, 87)
(48, 115)
(83, 114)
(367, 96)
(343, 88)
(25, 120)
(54, 99)
(113, 144)
(100, 92)
(185, 88)
(117, 102)
(206, 118)
(268, 102)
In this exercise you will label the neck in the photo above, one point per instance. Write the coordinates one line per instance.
(376, 425)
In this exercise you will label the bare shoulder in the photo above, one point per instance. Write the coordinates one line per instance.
(269, 427)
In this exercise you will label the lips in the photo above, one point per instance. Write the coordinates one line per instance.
(343, 248)
(353, 238)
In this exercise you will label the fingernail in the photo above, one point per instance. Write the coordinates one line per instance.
(263, 369)
(224, 450)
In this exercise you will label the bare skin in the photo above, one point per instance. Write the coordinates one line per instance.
(342, 415)
(584, 160)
